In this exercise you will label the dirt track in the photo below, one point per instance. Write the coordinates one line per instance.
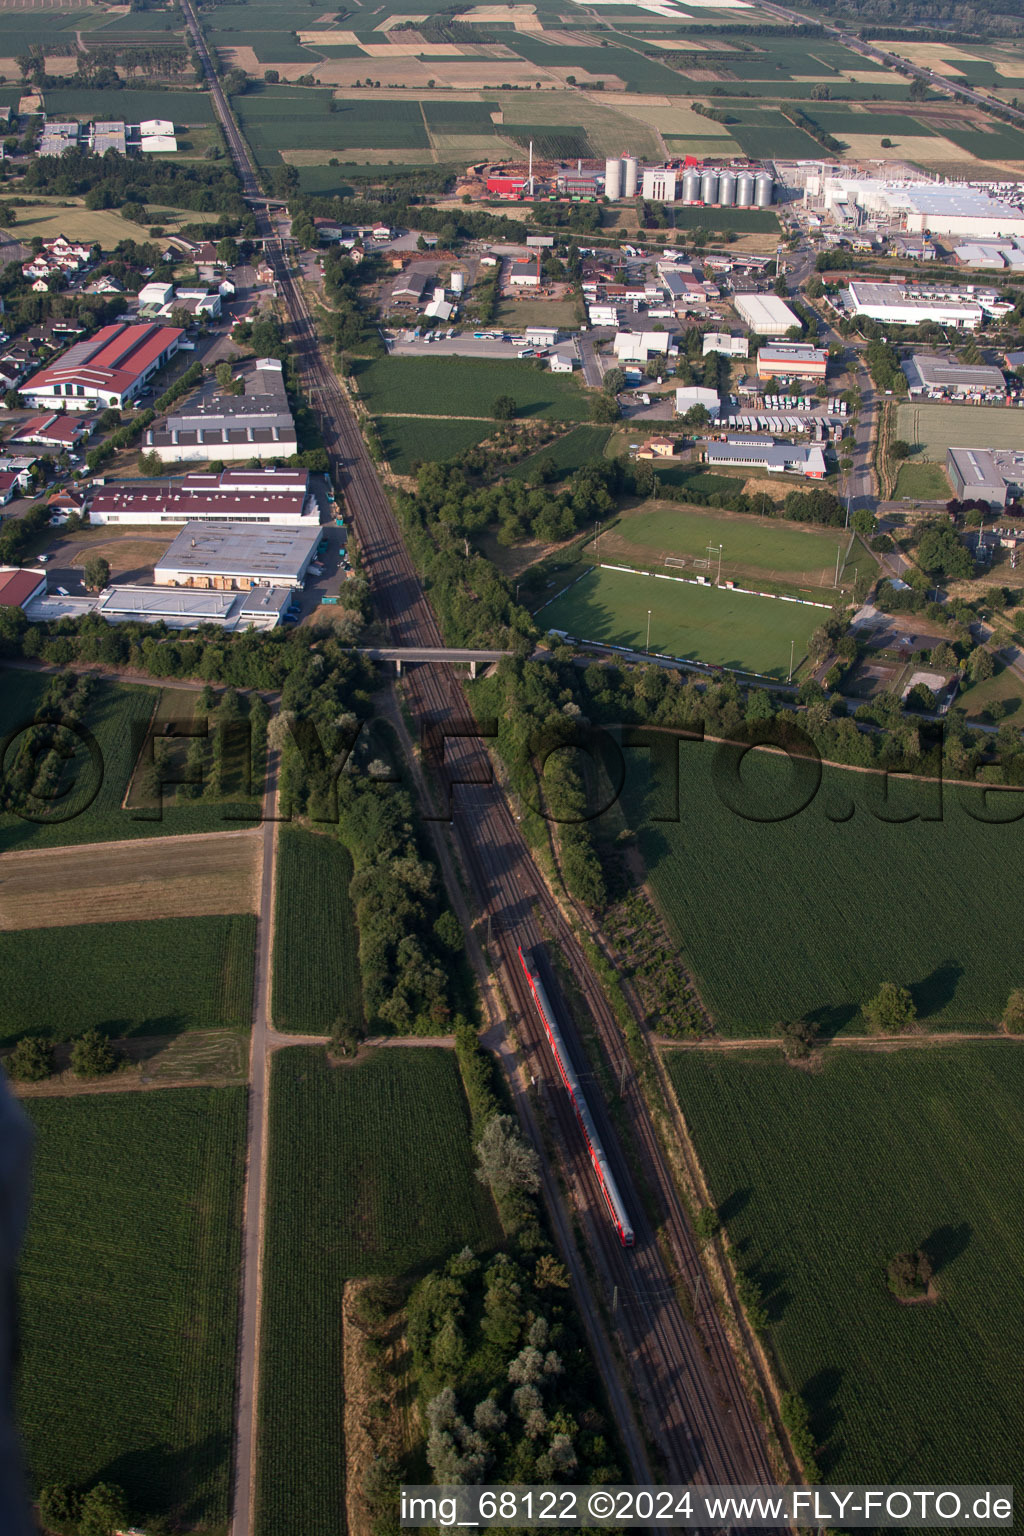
(218, 872)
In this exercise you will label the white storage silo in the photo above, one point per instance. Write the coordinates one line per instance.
(691, 187)
(630, 171)
(764, 190)
(745, 185)
(727, 189)
(709, 188)
(458, 282)
(613, 178)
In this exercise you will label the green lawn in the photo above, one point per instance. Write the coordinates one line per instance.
(781, 912)
(466, 387)
(937, 427)
(316, 945)
(145, 978)
(400, 1195)
(408, 440)
(129, 1297)
(765, 548)
(822, 1178)
(708, 624)
(922, 482)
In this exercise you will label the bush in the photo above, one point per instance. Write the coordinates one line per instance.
(1013, 1013)
(92, 1055)
(30, 1061)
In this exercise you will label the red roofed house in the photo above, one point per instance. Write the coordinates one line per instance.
(8, 485)
(53, 431)
(19, 587)
(109, 368)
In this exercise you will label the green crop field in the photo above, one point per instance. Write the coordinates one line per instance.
(144, 978)
(129, 1297)
(276, 117)
(316, 945)
(400, 1195)
(745, 221)
(765, 548)
(95, 779)
(937, 427)
(130, 105)
(822, 1178)
(809, 912)
(462, 386)
(583, 445)
(408, 440)
(709, 624)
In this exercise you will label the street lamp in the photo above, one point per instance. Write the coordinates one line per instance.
(648, 631)
(792, 647)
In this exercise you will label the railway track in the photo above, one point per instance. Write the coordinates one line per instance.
(684, 1372)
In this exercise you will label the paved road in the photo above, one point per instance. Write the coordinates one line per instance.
(255, 1178)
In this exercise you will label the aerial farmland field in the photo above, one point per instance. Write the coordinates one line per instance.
(467, 387)
(780, 914)
(937, 427)
(400, 1195)
(129, 1287)
(710, 624)
(128, 978)
(408, 440)
(316, 945)
(822, 1178)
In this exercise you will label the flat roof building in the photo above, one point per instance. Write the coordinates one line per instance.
(765, 313)
(901, 304)
(995, 475)
(233, 557)
(792, 360)
(257, 424)
(731, 346)
(109, 368)
(940, 376)
(177, 607)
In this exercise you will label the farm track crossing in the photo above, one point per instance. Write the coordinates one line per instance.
(687, 1379)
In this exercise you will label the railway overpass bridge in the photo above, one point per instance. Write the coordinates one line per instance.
(401, 654)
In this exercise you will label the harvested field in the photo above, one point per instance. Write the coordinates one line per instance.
(130, 556)
(122, 882)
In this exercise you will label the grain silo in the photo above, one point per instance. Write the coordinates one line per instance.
(764, 190)
(727, 189)
(613, 178)
(691, 187)
(709, 188)
(457, 282)
(745, 190)
(630, 171)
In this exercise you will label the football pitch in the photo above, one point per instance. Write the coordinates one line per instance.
(709, 624)
(764, 549)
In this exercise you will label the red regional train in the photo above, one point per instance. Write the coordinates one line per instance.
(609, 1188)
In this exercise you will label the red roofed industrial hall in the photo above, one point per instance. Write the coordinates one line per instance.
(109, 368)
(19, 587)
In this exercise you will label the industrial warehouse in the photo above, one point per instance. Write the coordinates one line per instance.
(678, 181)
(234, 496)
(219, 424)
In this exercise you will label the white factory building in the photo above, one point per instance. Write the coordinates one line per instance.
(765, 314)
(906, 304)
(730, 346)
(638, 346)
(918, 207)
(696, 394)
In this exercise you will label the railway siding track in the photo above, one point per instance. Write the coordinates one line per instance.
(685, 1377)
